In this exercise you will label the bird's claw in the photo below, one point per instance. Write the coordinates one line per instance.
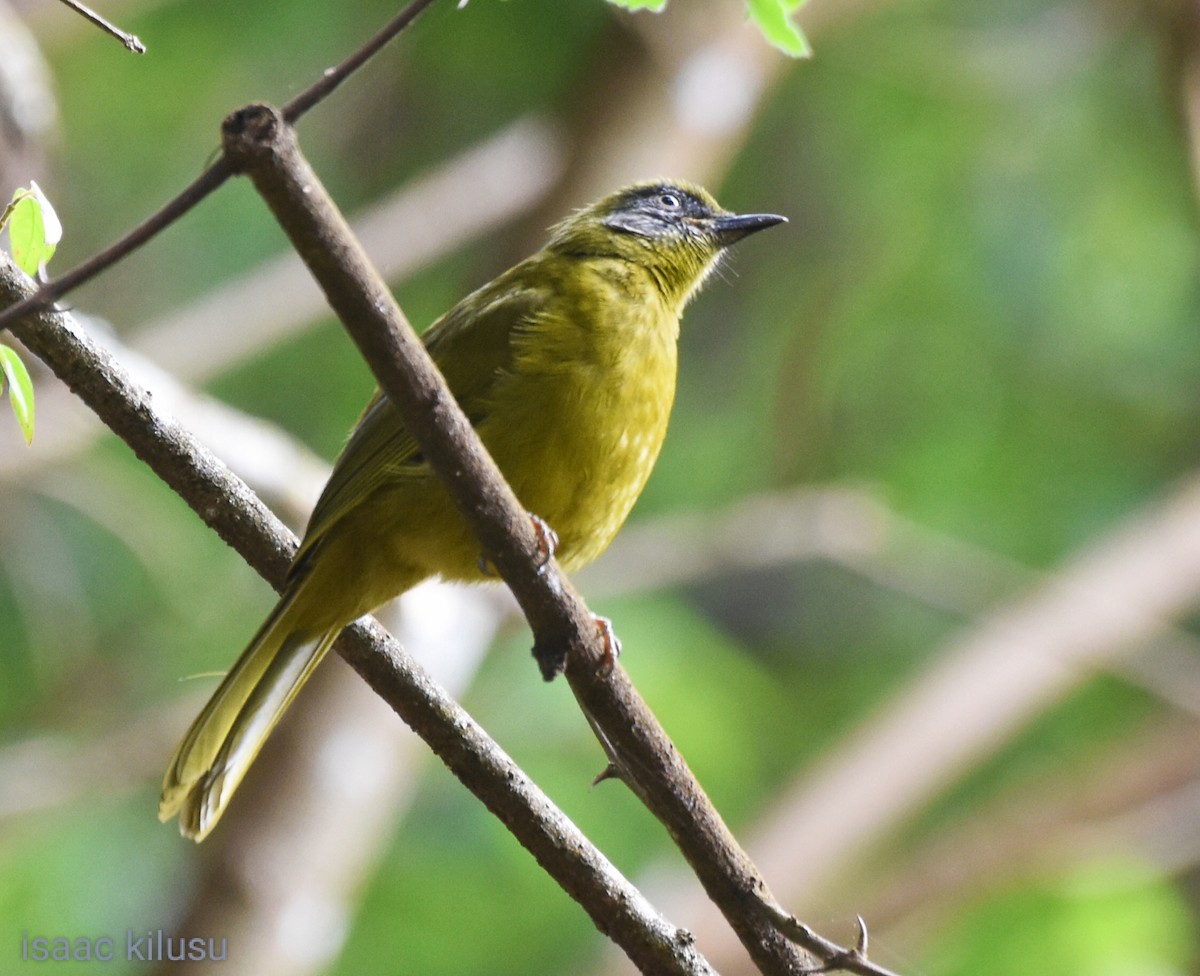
(612, 646)
(547, 540)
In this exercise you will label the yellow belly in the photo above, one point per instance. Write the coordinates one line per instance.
(582, 469)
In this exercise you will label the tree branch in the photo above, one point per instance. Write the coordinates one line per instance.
(333, 77)
(131, 41)
(52, 291)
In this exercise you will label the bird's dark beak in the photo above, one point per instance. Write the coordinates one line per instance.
(729, 230)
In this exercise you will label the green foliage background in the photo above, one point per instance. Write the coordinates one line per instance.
(984, 308)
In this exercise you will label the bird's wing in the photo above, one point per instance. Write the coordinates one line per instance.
(472, 346)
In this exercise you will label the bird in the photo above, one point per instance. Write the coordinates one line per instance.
(565, 366)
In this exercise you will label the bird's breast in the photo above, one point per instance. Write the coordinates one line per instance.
(585, 413)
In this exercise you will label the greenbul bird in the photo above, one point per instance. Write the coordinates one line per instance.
(565, 366)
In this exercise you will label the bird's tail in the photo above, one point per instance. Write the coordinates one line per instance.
(222, 742)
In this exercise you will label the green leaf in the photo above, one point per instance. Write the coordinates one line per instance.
(655, 5)
(771, 16)
(33, 230)
(20, 389)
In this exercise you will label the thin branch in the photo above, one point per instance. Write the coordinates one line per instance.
(333, 77)
(852, 960)
(202, 186)
(131, 41)
(52, 291)
(227, 506)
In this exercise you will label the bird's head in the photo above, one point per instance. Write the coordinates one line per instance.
(675, 230)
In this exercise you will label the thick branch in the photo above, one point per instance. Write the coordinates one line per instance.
(258, 140)
(227, 506)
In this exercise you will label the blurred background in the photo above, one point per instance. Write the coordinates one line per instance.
(914, 584)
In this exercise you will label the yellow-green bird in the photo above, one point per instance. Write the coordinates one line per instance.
(565, 365)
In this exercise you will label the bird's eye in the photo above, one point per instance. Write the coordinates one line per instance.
(670, 200)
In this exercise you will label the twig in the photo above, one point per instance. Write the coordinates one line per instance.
(131, 41)
(206, 183)
(52, 291)
(836, 957)
(333, 77)
(227, 506)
